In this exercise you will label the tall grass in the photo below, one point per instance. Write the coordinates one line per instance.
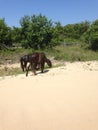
(67, 53)
(73, 53)
(12, 56)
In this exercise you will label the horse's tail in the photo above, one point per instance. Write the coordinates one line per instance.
(21, 63)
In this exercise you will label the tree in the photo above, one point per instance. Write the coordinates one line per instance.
(16, 36)
(37, 32)
(5, 33)
(41, 33)
(25, 23)
(91, 36)
(75, 31)
(59, 32)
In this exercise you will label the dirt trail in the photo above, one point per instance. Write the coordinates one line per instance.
(63, 98)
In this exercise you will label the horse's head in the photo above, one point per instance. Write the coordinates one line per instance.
(49, 63)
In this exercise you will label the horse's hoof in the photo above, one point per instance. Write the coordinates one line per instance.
(26, 75)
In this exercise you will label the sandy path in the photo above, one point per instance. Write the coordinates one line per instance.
(64, 98)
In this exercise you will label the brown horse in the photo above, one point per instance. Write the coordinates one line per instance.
(27, 59)
(35, 59)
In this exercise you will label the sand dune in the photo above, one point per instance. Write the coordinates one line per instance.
(63, 98)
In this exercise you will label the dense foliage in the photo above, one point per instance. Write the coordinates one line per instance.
(5, 34)
(38, 32)
(91, 36)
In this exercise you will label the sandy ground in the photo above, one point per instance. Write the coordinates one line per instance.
(63, 98)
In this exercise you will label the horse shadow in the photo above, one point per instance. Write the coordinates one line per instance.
(45, 71)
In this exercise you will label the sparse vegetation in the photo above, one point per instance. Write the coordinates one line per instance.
(59, 53)
(10, 71)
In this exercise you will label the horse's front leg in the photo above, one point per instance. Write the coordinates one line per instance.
(27, 69)
(33, 68)
(25, 65)
(42, 66)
